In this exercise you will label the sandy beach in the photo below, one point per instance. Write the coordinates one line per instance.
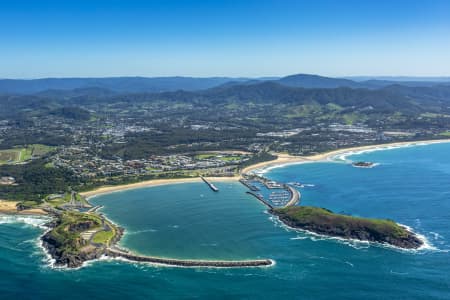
(149, 183)
(284, 158)
(9, 207)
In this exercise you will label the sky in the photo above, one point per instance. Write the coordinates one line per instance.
(245, 38)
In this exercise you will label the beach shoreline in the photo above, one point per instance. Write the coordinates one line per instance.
(286, 159)
(151, 183)
(8, 207)
(282, 160)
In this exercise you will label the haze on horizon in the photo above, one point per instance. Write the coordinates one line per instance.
(249, 38)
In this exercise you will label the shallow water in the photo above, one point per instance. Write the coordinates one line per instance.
(411, 186)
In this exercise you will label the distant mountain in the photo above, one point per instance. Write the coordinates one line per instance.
(115, 84)
(92, 92)
(400, 79)
(316, 81)
(271, 92)
(393, 98)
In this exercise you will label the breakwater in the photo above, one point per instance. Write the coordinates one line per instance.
(261, 198)
(295, 196)
(188, 262)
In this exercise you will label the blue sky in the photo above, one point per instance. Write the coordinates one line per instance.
(223, 38)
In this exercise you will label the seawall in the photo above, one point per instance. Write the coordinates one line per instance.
(190, 263)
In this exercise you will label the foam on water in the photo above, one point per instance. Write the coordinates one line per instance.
(355, 243)
(30, 220)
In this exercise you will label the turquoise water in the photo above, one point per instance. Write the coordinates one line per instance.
(410, 185)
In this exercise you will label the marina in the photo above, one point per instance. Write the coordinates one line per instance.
(271, 193)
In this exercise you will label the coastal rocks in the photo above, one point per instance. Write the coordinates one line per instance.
(363, 164)
(324, 222)
(81, 226)
(72, 255)
(64, 243)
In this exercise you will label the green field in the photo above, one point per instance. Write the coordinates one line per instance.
(9, 156)
(217, 156)
(445, 133)
(17, 155)
(103, 237)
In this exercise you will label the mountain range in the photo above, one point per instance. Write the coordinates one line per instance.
(167, 84)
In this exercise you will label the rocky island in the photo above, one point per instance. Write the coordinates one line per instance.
(363, 164)
(325, 222)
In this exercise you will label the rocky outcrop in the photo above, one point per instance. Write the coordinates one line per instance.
(71, 253)
(324, 222)
(71, 259)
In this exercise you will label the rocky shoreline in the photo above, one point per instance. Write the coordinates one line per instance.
(74, 253)
(363, 231)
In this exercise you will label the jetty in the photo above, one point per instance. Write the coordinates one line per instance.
(211, 186)
(249, 185)
(260, 198)
(188, 262)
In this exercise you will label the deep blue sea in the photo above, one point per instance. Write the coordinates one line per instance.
(410, 185)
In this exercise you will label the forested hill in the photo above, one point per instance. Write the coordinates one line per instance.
(395, 98)
(125, 85)
(115, 84)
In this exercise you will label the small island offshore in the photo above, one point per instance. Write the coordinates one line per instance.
(78, 232)
(363, 164)
(325, 222)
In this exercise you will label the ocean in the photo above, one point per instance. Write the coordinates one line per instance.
(410, 185)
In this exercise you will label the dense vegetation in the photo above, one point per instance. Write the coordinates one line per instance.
(75, 113)
(257, 158)
(35, 180)
(66, 233)
(109, 122)
(323, 221)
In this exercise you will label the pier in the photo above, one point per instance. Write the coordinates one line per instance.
(188, 262)
(248, 185)
(211, 186)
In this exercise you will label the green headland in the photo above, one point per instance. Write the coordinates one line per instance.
(325, 222)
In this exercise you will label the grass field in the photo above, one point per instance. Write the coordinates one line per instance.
(10, 156)
(217, 156)
(445, 133)
(17, 155)
(103, 237)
